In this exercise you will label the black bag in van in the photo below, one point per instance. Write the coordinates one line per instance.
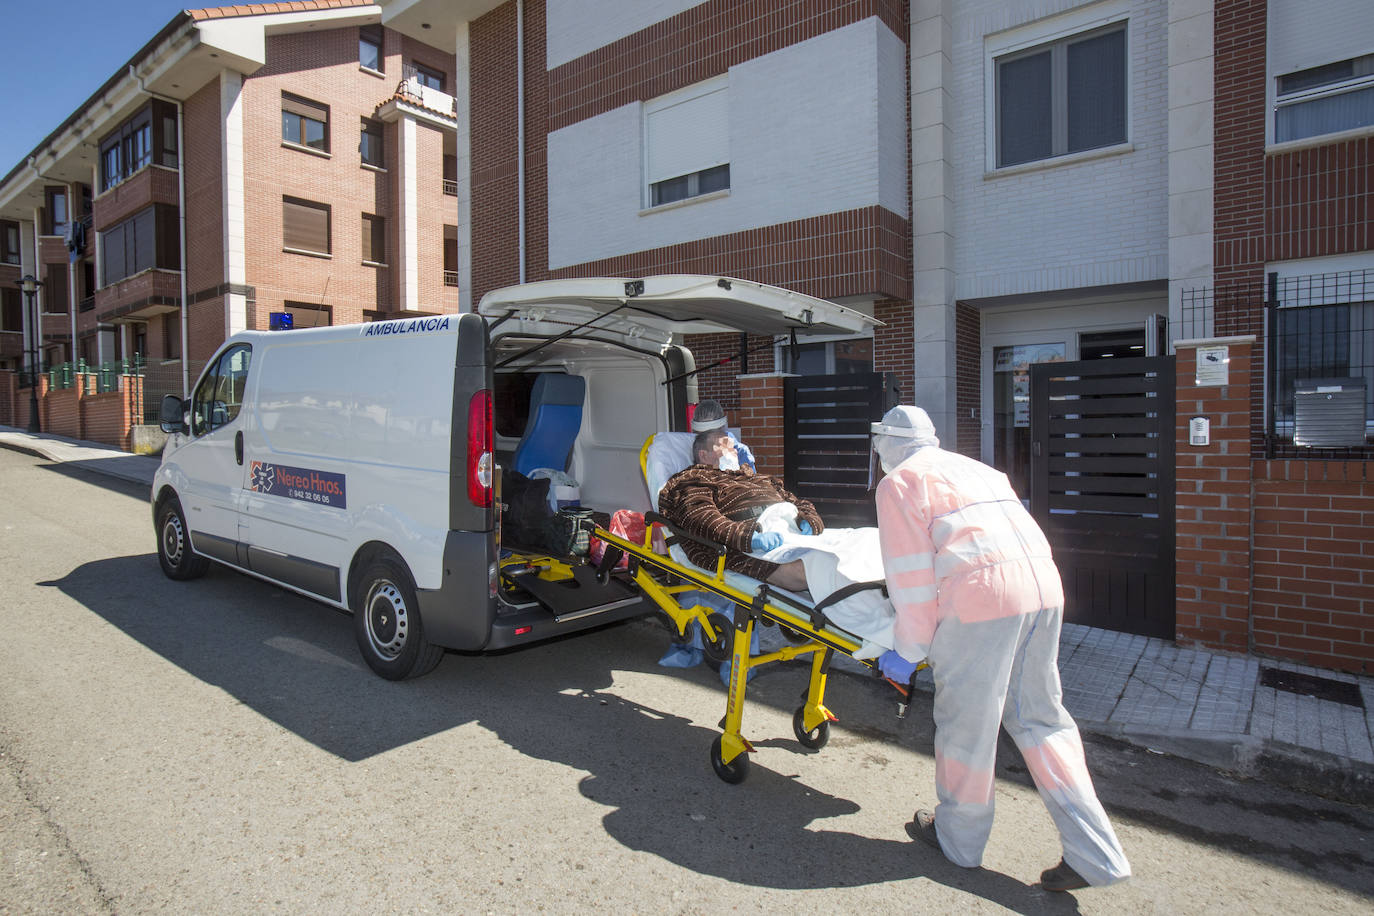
(525, 515)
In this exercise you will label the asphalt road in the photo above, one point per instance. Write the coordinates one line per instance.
(218, 746)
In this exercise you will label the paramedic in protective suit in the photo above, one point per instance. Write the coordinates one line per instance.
(977, 594)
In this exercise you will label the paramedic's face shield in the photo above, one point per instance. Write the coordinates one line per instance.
(874, 462)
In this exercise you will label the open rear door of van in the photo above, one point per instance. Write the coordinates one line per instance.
(654, 308)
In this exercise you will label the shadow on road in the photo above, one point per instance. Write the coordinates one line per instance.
(294, 662)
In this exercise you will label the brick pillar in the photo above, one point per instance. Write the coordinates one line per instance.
(760, 419)
(1213, 494)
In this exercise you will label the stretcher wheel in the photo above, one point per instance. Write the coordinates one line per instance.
(732, 772)
(814, 739)
(720, 648)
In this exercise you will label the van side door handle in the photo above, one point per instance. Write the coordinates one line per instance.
(238, 446)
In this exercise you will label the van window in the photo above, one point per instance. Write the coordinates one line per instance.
(220, 393)
(511, 402)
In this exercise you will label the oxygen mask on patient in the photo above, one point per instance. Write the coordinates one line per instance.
(729, 461)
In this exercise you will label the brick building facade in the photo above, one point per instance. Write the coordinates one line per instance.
(864, 151)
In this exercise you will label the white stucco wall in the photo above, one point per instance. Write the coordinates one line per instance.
(1096, 220)
(814, 128)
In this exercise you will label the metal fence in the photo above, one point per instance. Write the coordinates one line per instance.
(161, 378)
(1320, 365)
(1317, 343)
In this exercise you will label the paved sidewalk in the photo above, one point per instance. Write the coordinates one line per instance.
(1307, 727)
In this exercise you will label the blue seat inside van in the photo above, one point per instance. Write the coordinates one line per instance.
(554, 419)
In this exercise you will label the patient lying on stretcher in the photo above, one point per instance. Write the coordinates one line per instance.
(774, 536)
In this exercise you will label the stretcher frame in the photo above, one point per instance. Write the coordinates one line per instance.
(662, 578)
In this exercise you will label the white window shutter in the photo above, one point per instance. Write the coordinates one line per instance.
(687, 136)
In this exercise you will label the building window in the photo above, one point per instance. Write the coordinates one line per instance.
(1325, 99)
(370, 145)
(429, 77)
(9, 242)
(686, 143)
(309, 315)
(147, 137)
(374, 239)
(305, 226)
(844, 356)
(56, 300)
(304, 123)
(370, 47)
(55, 213)
(1062, 97)
(171, 335)
(11, 309)
(145, 240)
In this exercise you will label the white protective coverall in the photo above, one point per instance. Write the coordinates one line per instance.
(978, 595)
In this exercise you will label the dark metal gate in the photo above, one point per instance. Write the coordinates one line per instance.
(825, 441)
(1102, 487)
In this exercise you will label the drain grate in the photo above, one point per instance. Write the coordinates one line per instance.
(1323, 688)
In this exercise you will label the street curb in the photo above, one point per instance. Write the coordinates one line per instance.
(1250, 757)
(25, 449)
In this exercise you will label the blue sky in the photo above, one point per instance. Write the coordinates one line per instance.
(58, 52)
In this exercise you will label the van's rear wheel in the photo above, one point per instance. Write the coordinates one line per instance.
(174, 544)
(386, 622)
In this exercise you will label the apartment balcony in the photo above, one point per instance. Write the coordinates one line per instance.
(451, 187)
(145, 294)
(451, 278)
(413, 90)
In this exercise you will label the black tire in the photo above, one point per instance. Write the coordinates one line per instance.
(387, 625)
(174, 544)
(721, 648)
(733, 772)
(815, 739)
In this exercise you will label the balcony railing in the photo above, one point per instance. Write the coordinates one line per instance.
(451, 278)
(451, 187)
(85, 305)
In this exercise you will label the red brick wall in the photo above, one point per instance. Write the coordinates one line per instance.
(435, 212)
(853, 253)
(153, 185)
(1320, 201)
(1314, 563)
(204, 219)
(495, 193)
(9, 399)
(760, 420)
(721, 382)
(322, 67)
(1212, 500)
(62, 412)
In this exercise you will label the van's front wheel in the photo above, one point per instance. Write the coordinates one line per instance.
(386, 622)
(174, 544)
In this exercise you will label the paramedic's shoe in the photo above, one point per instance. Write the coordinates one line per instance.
(922, 827)
(1062, 878)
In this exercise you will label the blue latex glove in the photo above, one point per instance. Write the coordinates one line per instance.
(896, 668)
(746, 457)
(804, 527)
(764, 541)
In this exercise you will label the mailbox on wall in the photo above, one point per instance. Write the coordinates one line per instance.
(1329, 412)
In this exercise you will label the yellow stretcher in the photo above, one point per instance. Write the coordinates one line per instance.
(663, 578)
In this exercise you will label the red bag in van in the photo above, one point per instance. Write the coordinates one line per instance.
(625, 524)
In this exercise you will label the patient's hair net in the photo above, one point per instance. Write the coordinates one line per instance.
(708, 415)
(903, 431)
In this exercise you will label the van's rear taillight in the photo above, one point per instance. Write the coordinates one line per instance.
(479, 449)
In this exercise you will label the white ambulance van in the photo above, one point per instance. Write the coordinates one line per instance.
(360, 465)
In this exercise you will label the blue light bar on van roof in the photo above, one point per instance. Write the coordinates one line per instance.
(281, 321)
